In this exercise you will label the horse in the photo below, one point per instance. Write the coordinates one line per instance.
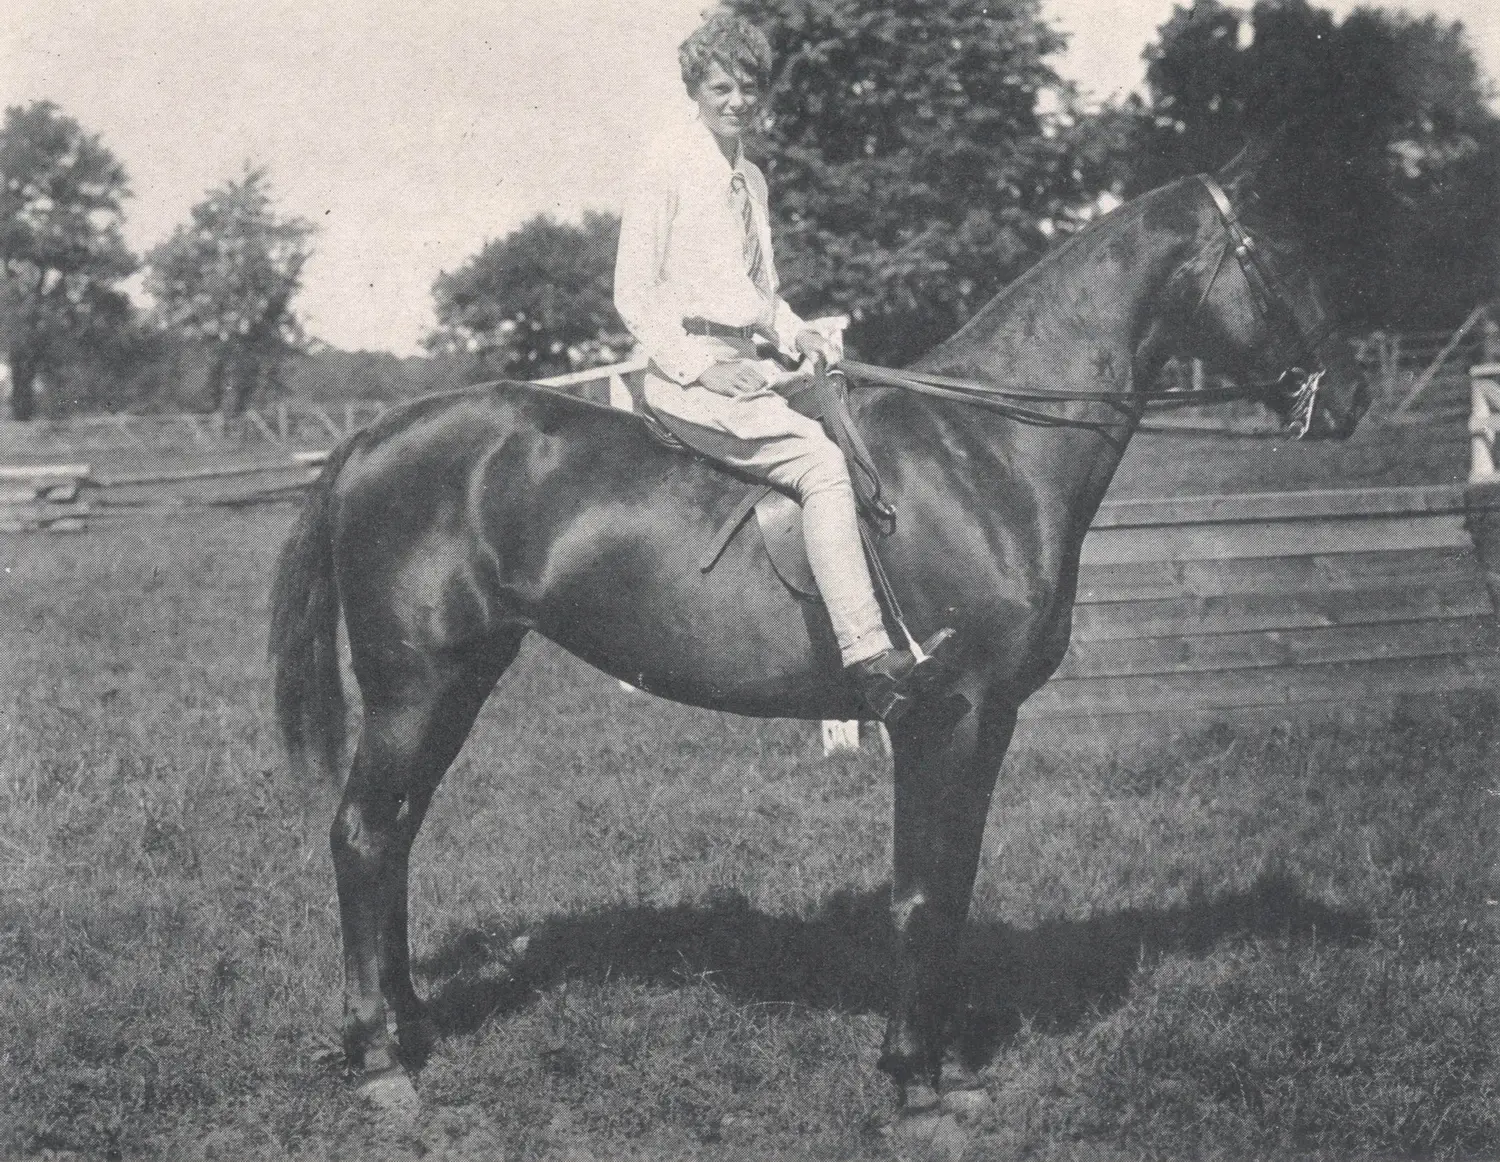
(457, 523)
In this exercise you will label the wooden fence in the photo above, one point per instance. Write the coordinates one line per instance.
(43, 497)
(1422, 376)
(67, 498)
(1274, 605)
(287, 424)
(1287, 604)
(1484, 481)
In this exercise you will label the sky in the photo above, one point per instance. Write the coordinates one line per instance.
(413, 133)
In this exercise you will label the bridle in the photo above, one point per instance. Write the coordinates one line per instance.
(1274, 306)
(1270, 300)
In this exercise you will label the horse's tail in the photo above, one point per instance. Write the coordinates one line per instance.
(303, 644)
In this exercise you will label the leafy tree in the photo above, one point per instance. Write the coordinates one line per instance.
(538, 302)
(915, 165)
(328, 374)
(61, 193)
(1388, 152)
(227, 280)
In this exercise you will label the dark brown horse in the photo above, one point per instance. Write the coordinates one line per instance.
(457, 524)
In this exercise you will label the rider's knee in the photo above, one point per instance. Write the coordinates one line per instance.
(822, 470)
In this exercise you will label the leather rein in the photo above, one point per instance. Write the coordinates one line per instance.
(1270, 300)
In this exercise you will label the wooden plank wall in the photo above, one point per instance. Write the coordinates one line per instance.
(1273, 604)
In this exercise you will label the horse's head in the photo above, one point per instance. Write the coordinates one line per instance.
(1254, 307)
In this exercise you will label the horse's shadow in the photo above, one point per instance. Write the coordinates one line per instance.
(1056, 974)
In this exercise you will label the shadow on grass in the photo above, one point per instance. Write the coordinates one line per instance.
(1057, 974)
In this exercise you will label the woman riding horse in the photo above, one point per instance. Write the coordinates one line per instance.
(696, 284)
(457, 524)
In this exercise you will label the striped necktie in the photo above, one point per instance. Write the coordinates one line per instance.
(755, 263)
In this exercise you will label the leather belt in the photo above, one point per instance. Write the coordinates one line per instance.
(712, 330)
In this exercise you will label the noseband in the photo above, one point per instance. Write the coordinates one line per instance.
(1274, 306)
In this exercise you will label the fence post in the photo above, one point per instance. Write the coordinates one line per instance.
(1482, 496)
(122, 421)
(261, 426)
(1430, 372)
(196, 429)
(1484, 398)
(619, 394)
(839, 735)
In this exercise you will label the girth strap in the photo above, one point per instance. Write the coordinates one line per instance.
(731, 525)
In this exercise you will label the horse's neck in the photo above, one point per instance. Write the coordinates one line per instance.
(1077, 321)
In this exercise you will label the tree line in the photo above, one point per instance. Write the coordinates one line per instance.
(222, 285)
(920, 157)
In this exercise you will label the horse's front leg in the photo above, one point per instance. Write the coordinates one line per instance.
(943, 783)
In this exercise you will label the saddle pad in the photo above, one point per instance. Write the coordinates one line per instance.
(780, 521)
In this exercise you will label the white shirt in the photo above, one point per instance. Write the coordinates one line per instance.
(682, 254)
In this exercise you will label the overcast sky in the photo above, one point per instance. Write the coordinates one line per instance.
(412, 131)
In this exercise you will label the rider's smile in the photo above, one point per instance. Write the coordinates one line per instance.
(726, 105)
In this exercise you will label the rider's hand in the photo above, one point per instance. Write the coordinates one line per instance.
(812, 343)
(739, 377)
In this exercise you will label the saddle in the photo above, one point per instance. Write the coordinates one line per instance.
(778, 516)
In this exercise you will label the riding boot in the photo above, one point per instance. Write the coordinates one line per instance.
(890, 683)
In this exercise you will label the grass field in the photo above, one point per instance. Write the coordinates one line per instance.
(651, 932)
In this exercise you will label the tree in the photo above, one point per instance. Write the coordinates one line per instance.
(61, 193)
(227, 280)
(1388, 153)
(922, 155)
(538, 302)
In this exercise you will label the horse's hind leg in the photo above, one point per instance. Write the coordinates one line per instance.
(414, 727)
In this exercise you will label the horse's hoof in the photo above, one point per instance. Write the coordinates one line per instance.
(930, 1136)
(391, 1093)
(966, 1104)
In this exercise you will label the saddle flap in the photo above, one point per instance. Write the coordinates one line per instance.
(780, 521)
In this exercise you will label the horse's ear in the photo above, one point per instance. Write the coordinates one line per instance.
(1259, 154)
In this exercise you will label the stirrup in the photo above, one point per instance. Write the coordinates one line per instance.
(891, 696)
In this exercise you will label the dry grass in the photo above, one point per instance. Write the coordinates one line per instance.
(651, 932)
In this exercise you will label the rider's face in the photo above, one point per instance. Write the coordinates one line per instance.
(726, 103)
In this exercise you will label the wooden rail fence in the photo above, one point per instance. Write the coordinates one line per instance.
(43, 497)
(283, 425)
(1274, 605)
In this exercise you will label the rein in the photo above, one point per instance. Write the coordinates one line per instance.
(1270, 300)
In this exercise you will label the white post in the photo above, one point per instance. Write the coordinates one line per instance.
(839, 735)
(619, 398)
(619, 394)
(1484, 399)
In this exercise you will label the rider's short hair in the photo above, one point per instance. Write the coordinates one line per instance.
(740, 48)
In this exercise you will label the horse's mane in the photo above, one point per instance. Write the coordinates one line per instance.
(1041, 278)
(1081, 242)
